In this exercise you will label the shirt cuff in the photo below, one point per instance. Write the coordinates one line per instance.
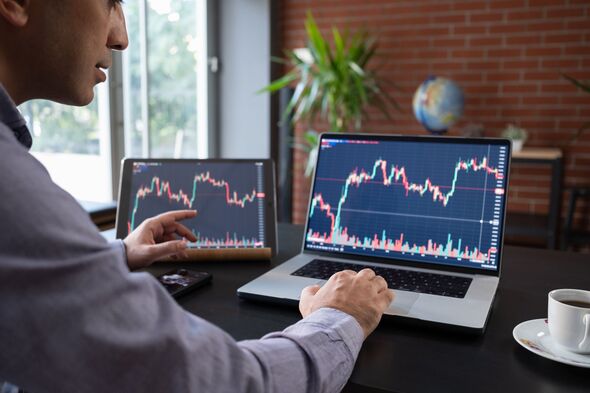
(120, 245)
(345, 325)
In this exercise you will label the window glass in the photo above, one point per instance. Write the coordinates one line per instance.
(73, 144)
(161, 65)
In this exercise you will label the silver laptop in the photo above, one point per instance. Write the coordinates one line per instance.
(426, 213)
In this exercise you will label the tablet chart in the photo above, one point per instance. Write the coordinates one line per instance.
(229, 199)
(432, 202)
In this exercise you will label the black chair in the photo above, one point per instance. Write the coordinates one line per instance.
(573, 237)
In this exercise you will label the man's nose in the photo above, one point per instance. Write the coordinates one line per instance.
(117, 39)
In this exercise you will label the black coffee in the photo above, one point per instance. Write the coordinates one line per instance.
(576, 303)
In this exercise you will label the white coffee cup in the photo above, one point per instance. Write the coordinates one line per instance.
(569, 319)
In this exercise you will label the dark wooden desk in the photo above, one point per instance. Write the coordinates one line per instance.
(402, 357)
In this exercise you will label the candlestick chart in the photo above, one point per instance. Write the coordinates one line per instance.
(229, 200)
(429, 202)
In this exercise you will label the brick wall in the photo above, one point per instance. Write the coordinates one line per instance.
(506, 55)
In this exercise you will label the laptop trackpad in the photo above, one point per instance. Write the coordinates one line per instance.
(402, 303)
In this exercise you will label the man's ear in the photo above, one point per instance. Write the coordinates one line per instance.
(15, 12)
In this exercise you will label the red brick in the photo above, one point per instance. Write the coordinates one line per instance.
(469, 5)
(560, 63)
(577, 50)
(547, 100)
(503, 77)
(580, 100)
(468, 53)
(523, 40)
(545, 26)
(507, 28)
(506, 4)
(520, 88)
(503, 100)
(556, 88)
(520, 16)
(508, 53)
(446, 42)
(469, 30)
(577, 25)
(486, 17)
(486, 41)
(564, 13)
(544, 51)
(540, 75)
(564, 38)
(455, 19)
(530, 64)
(539, 3)
(518, 206)
(484, 89)
(469, 77)
(483, 65)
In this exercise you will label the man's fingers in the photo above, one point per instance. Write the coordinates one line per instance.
(381, 283)
(166, 249)
(366, 273)
(386, 297)
(180, 230)
(175, 215)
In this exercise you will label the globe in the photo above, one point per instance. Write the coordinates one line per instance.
(438, 104)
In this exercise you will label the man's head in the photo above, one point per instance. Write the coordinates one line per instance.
(54, 49)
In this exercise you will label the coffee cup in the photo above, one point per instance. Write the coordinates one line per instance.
(569, 319)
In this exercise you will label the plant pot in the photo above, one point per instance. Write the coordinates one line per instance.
(517, 145)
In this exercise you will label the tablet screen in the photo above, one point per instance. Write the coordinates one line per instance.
(234, 199)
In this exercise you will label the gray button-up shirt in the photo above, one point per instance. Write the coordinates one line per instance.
(74, 319)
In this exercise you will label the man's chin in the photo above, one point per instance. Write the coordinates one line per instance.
(78, 99)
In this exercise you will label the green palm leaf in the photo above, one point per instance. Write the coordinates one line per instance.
(333, 81)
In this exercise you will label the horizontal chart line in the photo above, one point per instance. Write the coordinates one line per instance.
(415, 215)
(401, 185)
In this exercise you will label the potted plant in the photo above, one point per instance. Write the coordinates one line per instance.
(332, 82)
(517, 135)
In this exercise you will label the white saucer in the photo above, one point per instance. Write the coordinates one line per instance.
(534, 336)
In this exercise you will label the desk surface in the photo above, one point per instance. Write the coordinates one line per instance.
(404, 357)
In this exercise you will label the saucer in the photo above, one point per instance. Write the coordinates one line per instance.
(534, 336)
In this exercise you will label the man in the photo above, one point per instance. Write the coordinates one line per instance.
(72, 316)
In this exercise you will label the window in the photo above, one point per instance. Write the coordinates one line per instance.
(165, 79)
(157, 96)
(73, 144)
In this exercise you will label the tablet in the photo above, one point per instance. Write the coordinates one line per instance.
(235, 203)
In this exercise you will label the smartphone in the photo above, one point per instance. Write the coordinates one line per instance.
(182, 281)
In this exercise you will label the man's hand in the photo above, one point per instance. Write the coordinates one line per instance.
(158, 237)
(363, 295)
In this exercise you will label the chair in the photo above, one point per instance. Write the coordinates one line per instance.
(571, 236)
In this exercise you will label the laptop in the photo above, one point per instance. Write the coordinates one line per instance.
(426, 213)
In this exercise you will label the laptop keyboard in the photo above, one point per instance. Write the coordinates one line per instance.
(405, 280)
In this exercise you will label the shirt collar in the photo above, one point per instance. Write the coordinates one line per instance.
(10, 116)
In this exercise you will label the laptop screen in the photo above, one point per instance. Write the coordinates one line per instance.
(432, 200)
(234, 199)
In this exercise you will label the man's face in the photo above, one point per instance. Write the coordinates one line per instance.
(72, 41)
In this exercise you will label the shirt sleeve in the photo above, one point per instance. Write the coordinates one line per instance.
(120, 246)
(74, 319)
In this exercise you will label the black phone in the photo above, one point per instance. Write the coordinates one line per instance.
(182, 281)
